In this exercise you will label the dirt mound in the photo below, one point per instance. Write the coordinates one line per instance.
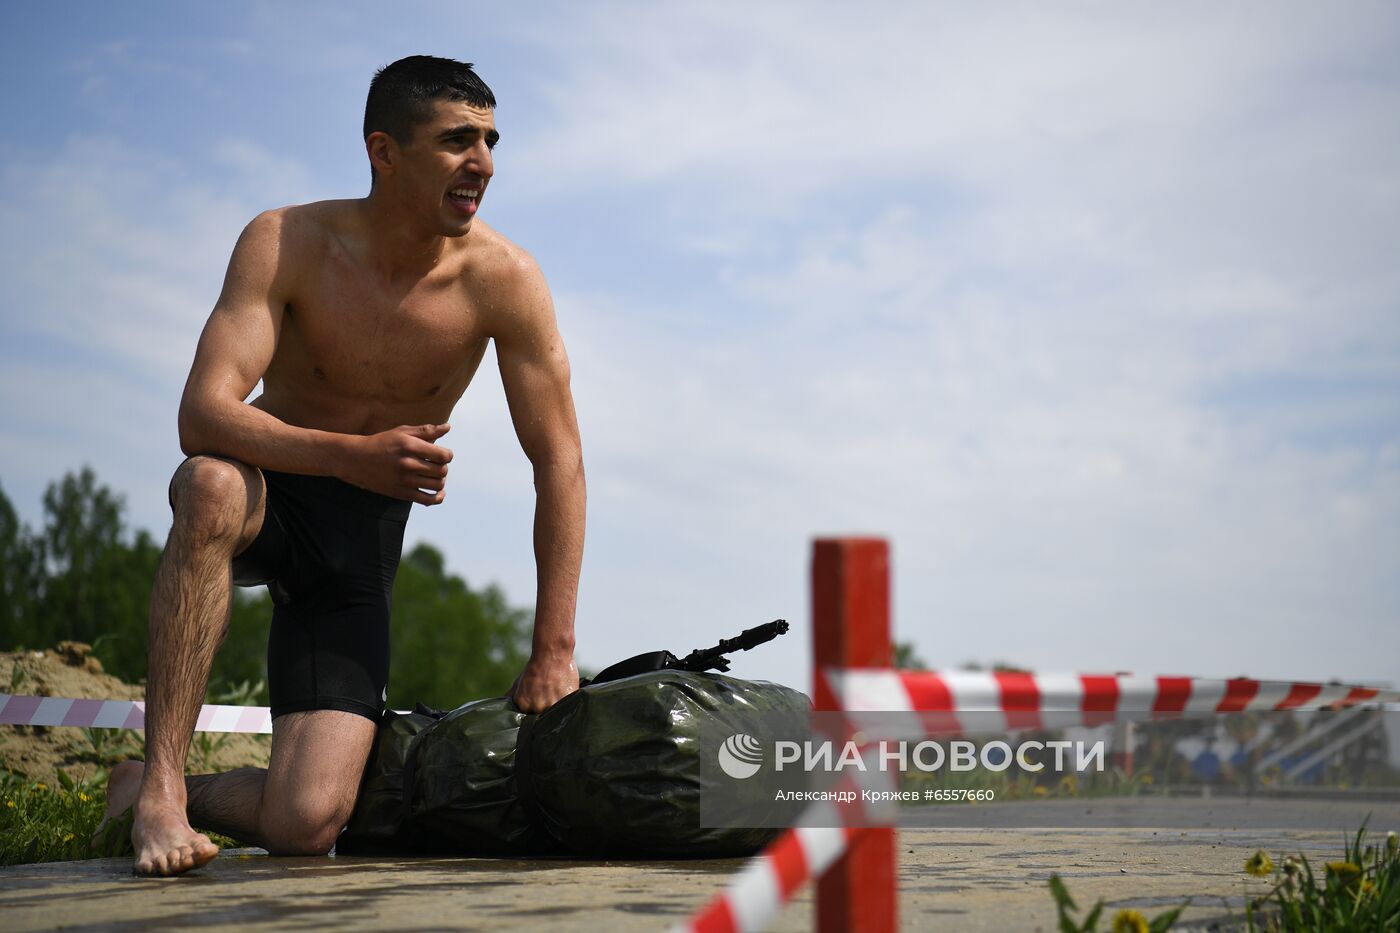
(70, 670)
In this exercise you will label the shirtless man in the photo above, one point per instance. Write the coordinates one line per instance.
(365, 320)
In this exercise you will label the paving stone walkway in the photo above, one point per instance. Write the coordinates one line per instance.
(955, 879)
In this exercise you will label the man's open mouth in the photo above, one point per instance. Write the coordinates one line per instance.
(464, 198)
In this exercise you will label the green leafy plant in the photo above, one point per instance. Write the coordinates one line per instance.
(1124, 921)
(110, 746)
(40, 822)
(1360, 892)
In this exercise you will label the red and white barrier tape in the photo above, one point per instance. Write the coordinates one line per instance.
(1005, 701)
(1022, 701)
(123, 714)
(770, 880)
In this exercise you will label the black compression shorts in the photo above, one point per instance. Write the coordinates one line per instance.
(328, 552)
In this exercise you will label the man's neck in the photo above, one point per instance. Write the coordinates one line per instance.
(398, 247)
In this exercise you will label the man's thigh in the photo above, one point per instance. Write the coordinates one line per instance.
(318, 757)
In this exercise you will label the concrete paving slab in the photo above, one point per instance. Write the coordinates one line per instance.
(955, 879)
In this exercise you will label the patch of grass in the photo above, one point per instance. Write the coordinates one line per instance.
(40, 822)
(110, 746)
(43, 822)
(1124, 921)
(1360, 892)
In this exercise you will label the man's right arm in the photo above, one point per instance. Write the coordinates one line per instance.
(233, 353)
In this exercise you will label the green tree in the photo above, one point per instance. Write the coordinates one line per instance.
(21, 573)
(906, 657)
(83, 578)
(97, 585)
(451, 644)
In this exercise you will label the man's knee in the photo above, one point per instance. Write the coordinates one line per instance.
(318, 758)
(312, 831)
(215, 498)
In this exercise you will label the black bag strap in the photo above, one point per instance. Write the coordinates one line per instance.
(410, 768)
(637, 664)
(524, 775)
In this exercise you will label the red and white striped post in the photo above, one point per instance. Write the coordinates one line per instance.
(851, 629)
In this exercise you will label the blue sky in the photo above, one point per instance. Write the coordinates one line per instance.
(1092, 308)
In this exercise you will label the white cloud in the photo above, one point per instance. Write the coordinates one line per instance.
(1030, 260)
(1090, 309)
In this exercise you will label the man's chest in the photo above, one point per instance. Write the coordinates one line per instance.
(357, 339)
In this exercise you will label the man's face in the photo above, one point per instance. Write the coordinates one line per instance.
(447, 166)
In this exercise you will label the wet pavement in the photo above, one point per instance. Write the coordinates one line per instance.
(951, 878)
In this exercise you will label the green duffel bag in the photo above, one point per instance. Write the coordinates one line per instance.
(444, 783)
(460, 776)
(377, 823)
(616, 769)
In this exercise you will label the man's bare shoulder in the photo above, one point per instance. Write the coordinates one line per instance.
(498, 259)
(281, 244)
(300, 226)
(505, 274)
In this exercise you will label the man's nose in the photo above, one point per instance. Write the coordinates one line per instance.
(481, 159)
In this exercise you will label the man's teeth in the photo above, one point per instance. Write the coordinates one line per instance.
(465, 192)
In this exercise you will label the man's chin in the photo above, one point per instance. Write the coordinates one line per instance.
(457, 229)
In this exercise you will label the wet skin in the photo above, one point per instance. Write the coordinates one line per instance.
(366, 320)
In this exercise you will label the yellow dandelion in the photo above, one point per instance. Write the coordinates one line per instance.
(1130, 921)
(10, 804)
(83, 797)
(1346, 872)
(68, 838)
(1069, 784)
(1259, 864)
(1040, 791)
(41, 786)
(1368, 887)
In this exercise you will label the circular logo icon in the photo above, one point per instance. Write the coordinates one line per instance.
(740, 756)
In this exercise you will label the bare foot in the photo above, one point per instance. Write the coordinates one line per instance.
(164, 842)
(123, 784)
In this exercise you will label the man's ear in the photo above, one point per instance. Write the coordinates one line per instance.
(383, 152)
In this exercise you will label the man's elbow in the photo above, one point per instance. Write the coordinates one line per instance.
(193, 430)
(559, 465)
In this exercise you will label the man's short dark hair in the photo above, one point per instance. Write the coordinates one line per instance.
(402, 95)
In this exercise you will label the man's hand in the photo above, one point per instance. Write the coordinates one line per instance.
(543, 683)
(401, 462)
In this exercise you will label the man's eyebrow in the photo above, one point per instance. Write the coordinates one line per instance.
(470, 129)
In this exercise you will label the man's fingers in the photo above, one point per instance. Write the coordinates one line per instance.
(424, 468)
(428, 498)
(429, 432)
(421, 450)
